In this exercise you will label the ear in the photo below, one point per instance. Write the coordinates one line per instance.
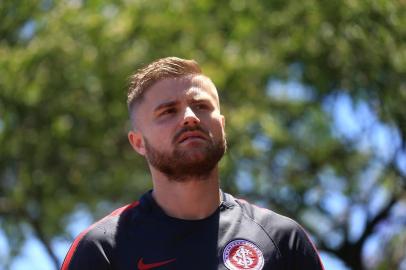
(137, 141)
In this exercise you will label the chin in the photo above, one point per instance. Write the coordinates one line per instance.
(193, 156)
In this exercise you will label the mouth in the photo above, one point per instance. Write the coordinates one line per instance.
(191, 135)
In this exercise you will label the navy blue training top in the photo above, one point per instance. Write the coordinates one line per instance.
(237, 236)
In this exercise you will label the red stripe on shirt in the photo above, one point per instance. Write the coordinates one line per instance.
(72, 250)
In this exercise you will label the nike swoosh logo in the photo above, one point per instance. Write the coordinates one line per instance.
(145, 266)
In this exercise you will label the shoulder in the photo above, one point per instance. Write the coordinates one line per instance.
(268, 219)
(288, 235)
(107, 226)
(95, 241)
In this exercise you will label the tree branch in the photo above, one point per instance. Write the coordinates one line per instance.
(43, 239)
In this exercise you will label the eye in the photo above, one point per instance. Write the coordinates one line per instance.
(202, 106)
(167, 111)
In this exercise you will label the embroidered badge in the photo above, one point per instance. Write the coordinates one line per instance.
(243, 255)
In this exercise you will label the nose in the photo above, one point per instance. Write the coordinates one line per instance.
(190, 118)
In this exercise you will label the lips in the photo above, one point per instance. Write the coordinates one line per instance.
(191, 135)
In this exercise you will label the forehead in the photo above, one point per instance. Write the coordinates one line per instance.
(194, 87)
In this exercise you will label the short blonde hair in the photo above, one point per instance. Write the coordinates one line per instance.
(169, 67)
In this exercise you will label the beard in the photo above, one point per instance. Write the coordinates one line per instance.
(182, 164)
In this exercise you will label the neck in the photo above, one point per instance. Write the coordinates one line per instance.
(189, 199)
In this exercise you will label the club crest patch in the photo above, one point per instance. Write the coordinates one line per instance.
(243, 255)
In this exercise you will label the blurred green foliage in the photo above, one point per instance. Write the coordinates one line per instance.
(280, 67)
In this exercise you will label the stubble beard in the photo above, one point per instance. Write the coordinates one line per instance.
(181, 164)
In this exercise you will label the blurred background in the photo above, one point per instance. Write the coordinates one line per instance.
(314, 94)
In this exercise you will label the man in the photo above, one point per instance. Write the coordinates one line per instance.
(186, 221)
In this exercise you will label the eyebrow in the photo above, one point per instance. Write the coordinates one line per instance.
(198, 100)
(166, 105)
(173, 103)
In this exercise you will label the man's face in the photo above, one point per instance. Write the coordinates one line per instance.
(180, 130)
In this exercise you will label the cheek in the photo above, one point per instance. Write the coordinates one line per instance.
(218, 129)
(159, 138)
